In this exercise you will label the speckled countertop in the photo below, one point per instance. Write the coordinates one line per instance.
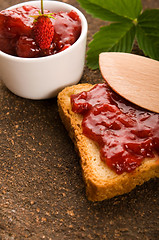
(42, 194)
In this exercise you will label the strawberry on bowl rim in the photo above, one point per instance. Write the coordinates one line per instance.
(44, 77)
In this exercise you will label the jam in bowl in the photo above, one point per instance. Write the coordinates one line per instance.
(29, 70)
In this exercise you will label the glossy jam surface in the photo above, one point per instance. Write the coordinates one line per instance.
(16, 32)
(125, 133)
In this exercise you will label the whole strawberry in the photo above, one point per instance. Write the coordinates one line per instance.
(43, 32)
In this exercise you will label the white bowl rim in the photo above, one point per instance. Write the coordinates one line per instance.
(59, 54)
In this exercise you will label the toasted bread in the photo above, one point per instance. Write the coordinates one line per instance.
(101, 182)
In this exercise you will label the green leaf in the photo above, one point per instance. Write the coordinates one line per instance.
(117, 37)
(113, 10)
(148, 33)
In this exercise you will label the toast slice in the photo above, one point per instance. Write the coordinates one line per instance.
(101, 182)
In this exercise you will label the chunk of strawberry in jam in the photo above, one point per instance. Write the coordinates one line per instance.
(26, 47)
(67, 27)
(73, 15)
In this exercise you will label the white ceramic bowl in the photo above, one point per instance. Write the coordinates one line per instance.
(44, 77)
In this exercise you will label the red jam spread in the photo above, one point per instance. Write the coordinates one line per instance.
(16, 36)
(126, 134)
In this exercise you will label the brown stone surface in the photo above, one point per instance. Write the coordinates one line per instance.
(42, 194)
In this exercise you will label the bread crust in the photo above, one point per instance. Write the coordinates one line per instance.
(101, 182)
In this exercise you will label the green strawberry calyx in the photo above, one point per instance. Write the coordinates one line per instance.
(41, 13)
